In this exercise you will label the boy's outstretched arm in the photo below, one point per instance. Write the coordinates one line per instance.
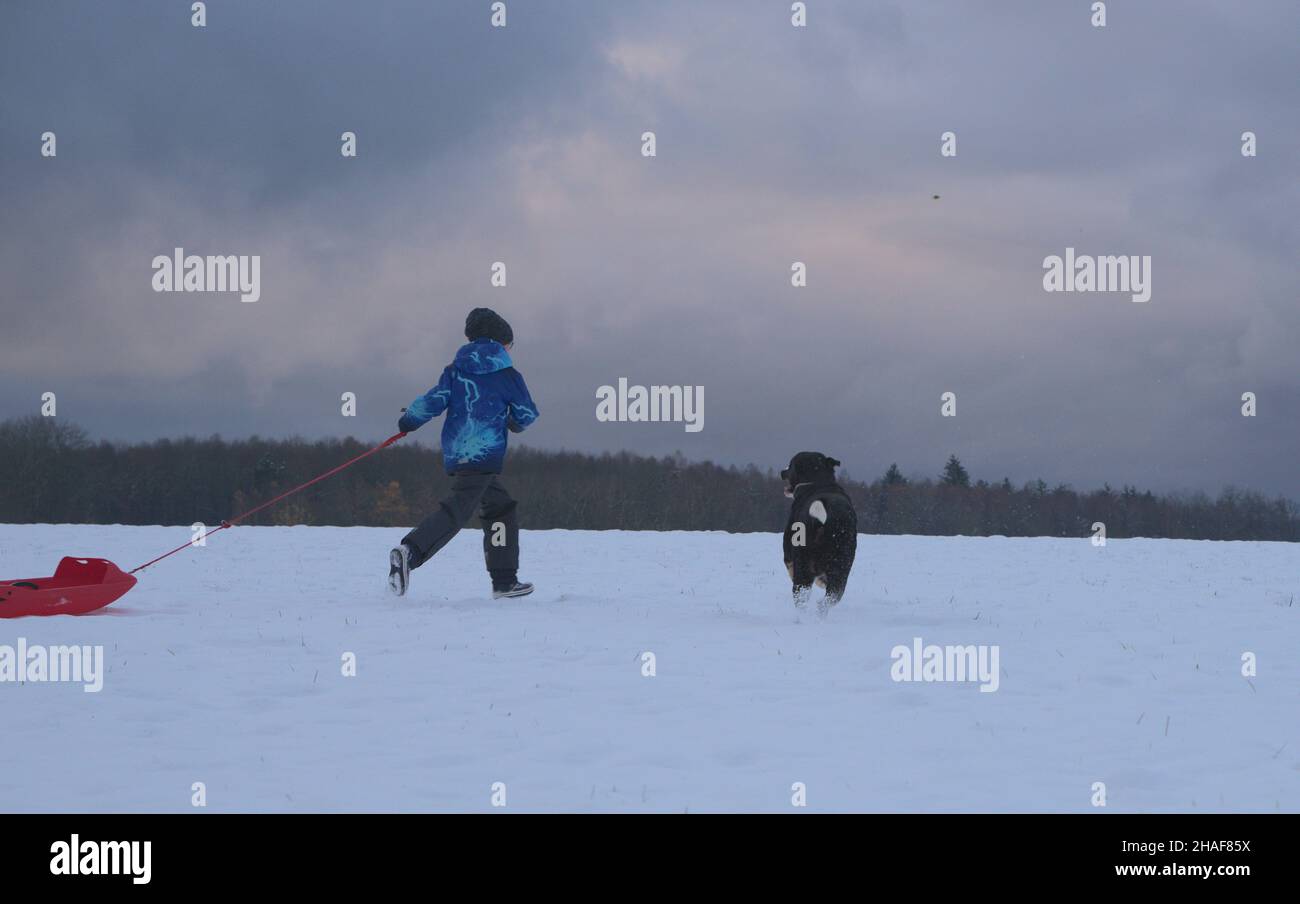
(523, 410)
(428, 406)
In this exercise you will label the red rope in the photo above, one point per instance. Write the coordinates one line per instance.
(253, 511)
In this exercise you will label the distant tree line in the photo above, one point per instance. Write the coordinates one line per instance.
(52, 472)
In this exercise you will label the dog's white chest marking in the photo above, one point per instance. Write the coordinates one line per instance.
(818, 510)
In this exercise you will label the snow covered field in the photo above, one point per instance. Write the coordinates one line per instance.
(1120, 665)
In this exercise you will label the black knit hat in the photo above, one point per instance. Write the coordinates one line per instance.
(485, 323)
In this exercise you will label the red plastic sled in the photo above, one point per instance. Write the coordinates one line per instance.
(77, 587)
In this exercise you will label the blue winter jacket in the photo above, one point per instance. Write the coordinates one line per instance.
(484, 396)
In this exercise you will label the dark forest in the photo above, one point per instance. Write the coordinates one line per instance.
(54, 473)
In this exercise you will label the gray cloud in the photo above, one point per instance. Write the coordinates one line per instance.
(775, 144)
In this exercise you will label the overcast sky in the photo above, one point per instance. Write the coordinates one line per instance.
(775, 144)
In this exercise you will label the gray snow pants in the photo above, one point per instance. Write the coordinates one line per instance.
(470, 493)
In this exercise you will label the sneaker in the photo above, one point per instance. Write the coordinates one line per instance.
(513, 589)
(399, 570)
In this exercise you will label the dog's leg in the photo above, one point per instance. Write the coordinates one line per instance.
(801, 593)
(834, 593)
(825, 604)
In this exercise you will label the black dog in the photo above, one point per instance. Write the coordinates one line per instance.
(821, 536)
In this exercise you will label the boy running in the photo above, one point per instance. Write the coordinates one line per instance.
(483, 396)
